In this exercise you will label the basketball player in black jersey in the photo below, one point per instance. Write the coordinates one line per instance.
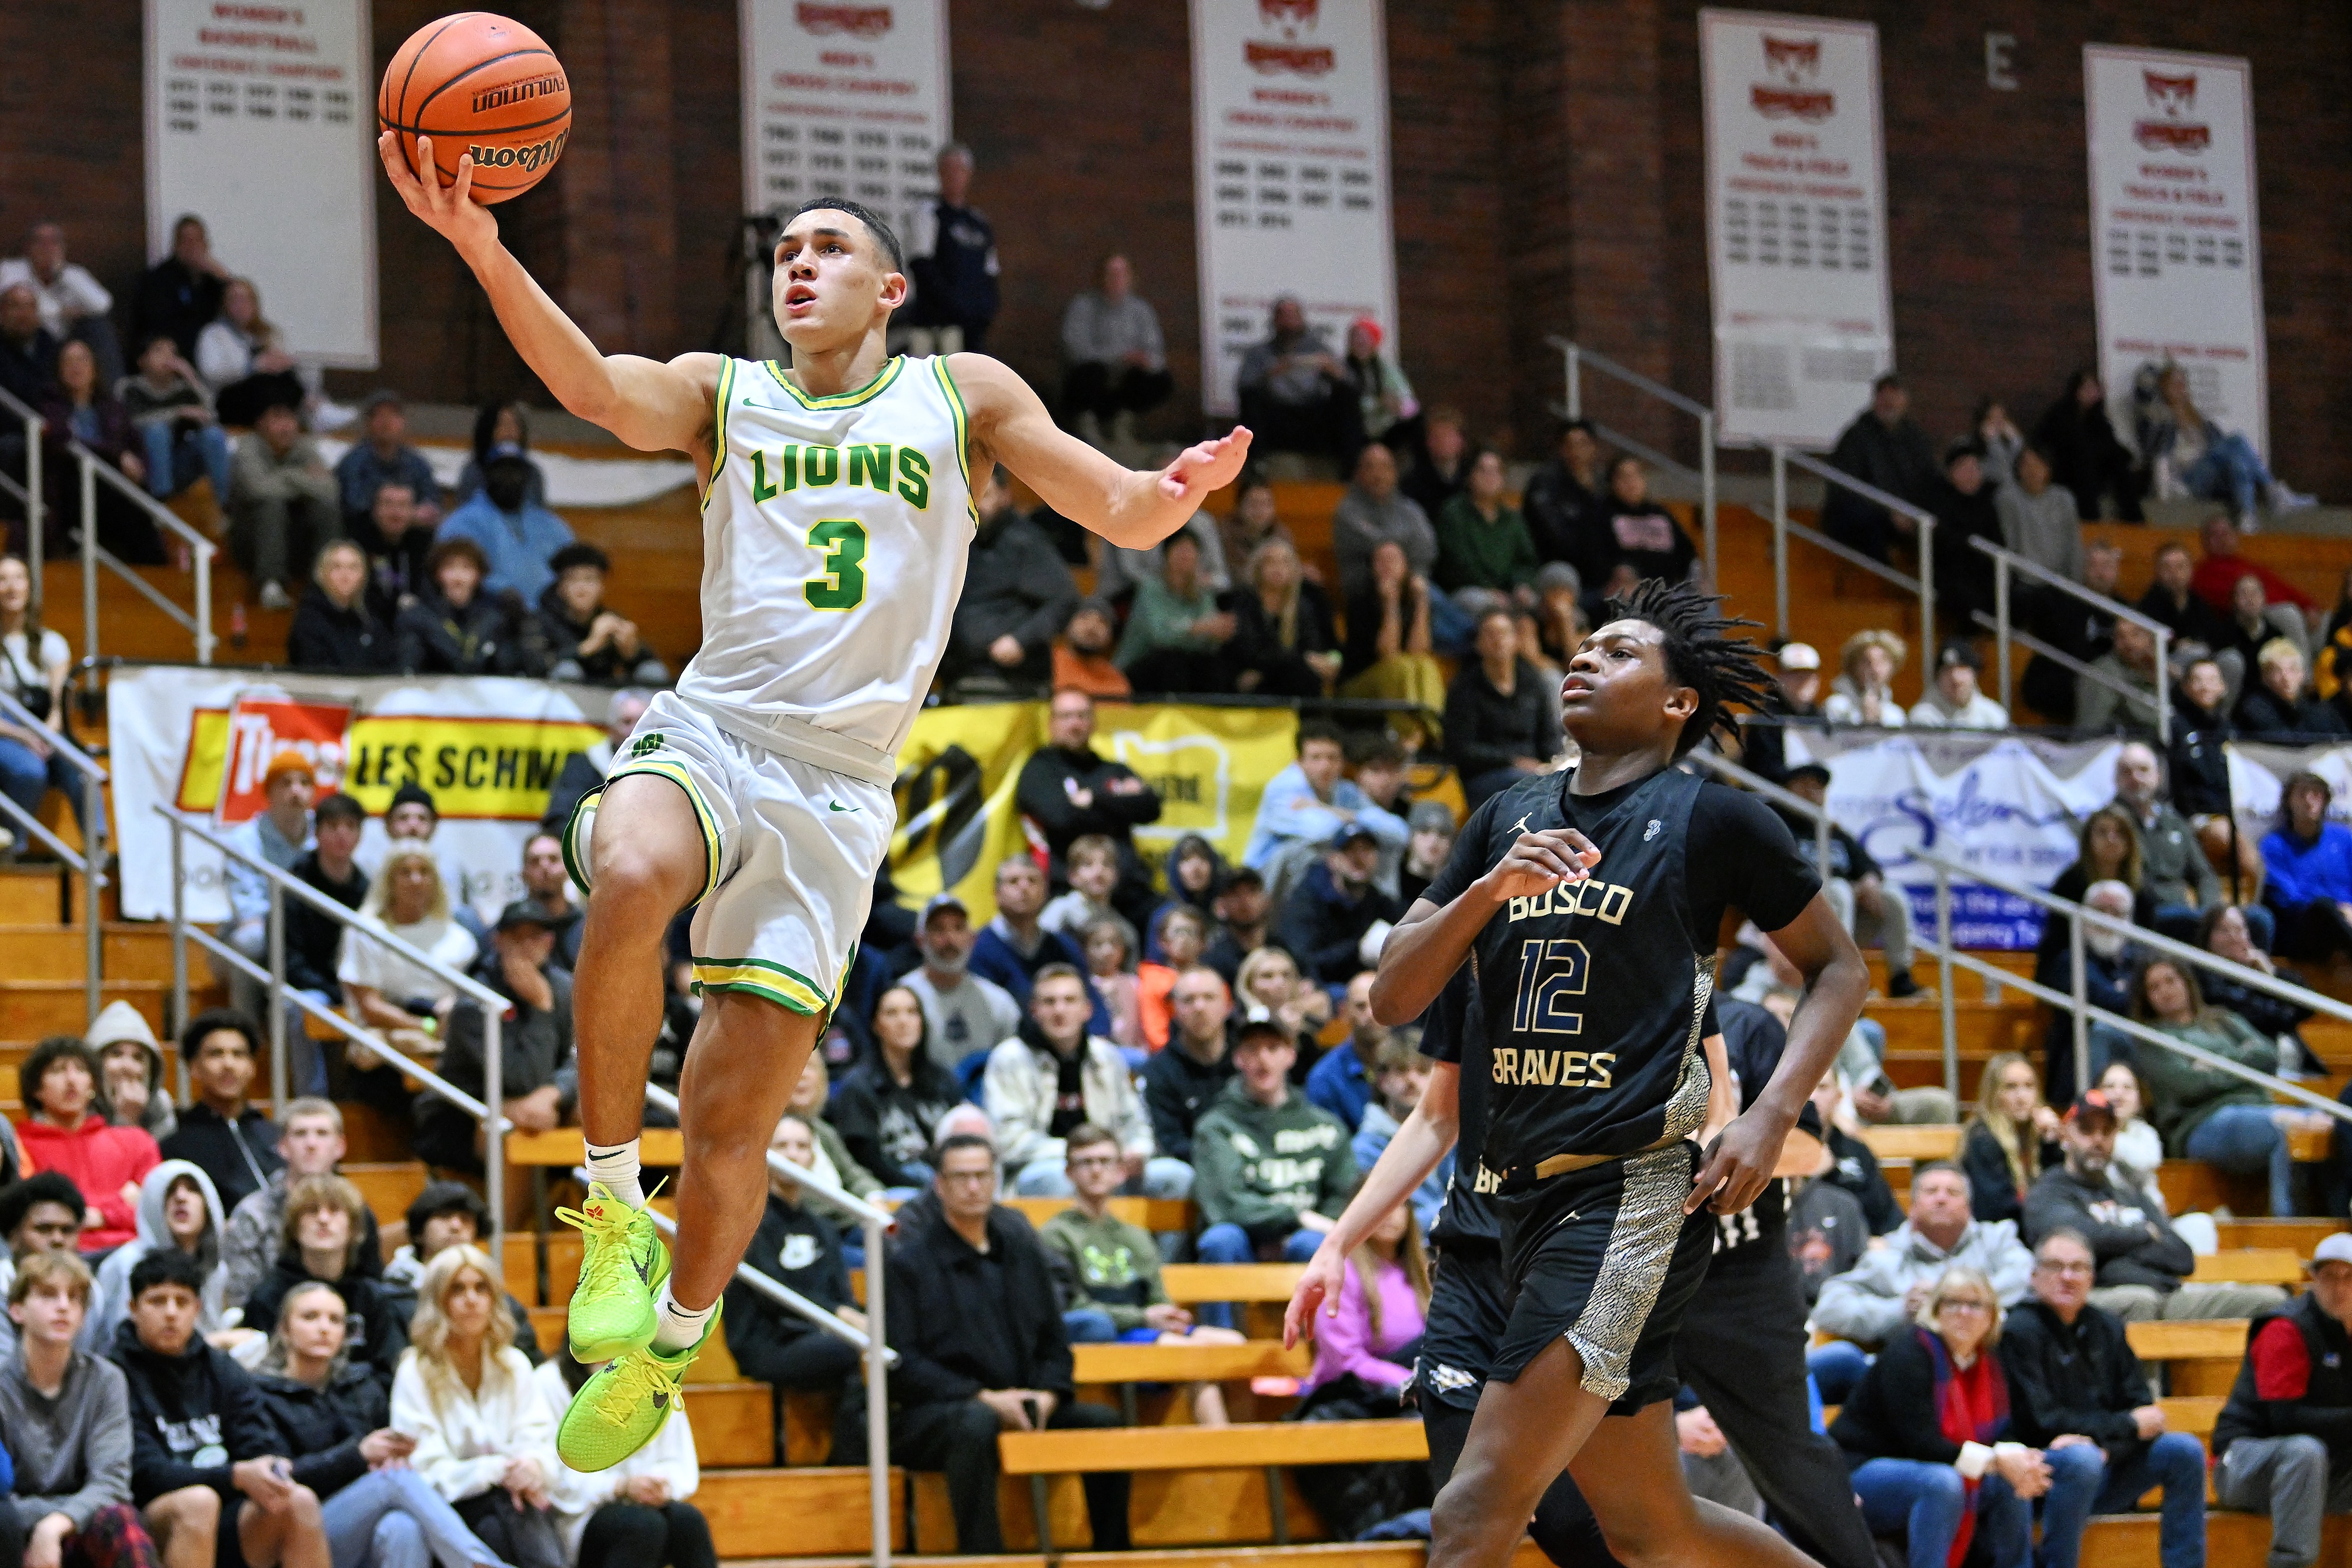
(1590, 905)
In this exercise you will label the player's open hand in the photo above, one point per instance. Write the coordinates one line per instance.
(1319, 1287)
(1210, 466)
(450, 211)
(1737, 1166)
(1541, 860)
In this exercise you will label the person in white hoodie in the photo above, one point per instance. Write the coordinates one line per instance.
(636, 1512)
(178, 1206)
(132, 1071)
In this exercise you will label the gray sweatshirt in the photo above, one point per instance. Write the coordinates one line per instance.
(72, 1453)
(1866, 1303)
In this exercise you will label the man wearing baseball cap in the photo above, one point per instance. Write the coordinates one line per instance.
(540, 1079)
(1762, 739)
(1954, 700)
(965, 1013)
(2284, 1438)
(1335, 919)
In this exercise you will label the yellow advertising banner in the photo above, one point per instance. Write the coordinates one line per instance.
(479, 769)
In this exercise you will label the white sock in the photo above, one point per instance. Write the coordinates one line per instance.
(678, 1328)
(616, 1164)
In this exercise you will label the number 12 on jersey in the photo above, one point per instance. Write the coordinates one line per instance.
(1550, 972)
(842, 541)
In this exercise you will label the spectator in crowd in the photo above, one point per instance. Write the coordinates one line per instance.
(498, 424)
(1120, 568)
(1014, 946)
(243, 359)
(281, 502)
(887, 1108)
(1954, 700)
(547, 881)
(2281, 1431)
(64, 1132)
(1885, 448)
(277, 835)
(335, 628)
(977, 1323)
(28, 350)
(1017, 595)
(1399, 1076)
(2223, 931)
(45, 1212)
(1273, 1168)
(178, 1211)
(2203, 1112)
(221, 1131)
(1430, 824)
(1295, 393)
(33, 665)
(1341, 1082)
(2218, 571)
(445, 1214)
(1441, 464)
(1964, 510)
(2252, 622)
(1196, 873)
(1284, 643)
(1254, 519)
(1305, 803)
(636, 1512)
(2143, 1265)
(485, 1437)
(1052, 1075)
(130, 1076)
(1335, 919)
(1502, 719)
(2100, 707)
(1869, 1305)
(1863, 692)
(1386, 654)
(325, 1236)
(1927, 1432)
(2331, 665)
(1484, 550)
(2081, 630)
(2201, 727)
(1185, 1075)
(1083, 654)
(1386, 409)
(180, 295)
(518, 541)
(2279, 708)
(1176, 636)
(1069, 791)
(2077, 1392)
(801, 1251)
(2173, 871)
(2012, 1137)
(453, 629)
(1763, 739)
(539, 1078)
(585, 771)
(1373, 513)
(2187, 449)
(575, 636)
(1877, 915)
(1269, 979)
(2037, 515)
(398, 543)
(833, 1161)
(81, 410)
(203, 1462)
(1642, 534)
(952, 262)
(1180, 934)
(2108, 961)
(334, 1418)
(1241, 908)
(383, 457)
(1565, 511)
(1114, 361)
(390, 992)
(65, 1414)
(2087, 457)
(74, 305)
(311, 1146)
(2171, 601)
(963, 1013)
(2307, 871)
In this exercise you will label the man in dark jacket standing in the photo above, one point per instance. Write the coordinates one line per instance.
(203, 1469)
(2077, 1392)
(2288, 1421)
(1883, 448)
(1017, 596)
(1070, 789)
(1335, 919)
(539, 1080)
(951, 255)
(977, 1323)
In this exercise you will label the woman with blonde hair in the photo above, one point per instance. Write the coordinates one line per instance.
(386, 990)
(485, 1438)
(242, 360)
(1285, 645)
(1269, 978)
(1863, 692)
(1925, 1434)
(2012, 1137)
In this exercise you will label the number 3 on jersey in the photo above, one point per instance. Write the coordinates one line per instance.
(1549, 973)
(842, 586)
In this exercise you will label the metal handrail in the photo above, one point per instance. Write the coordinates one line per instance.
(495, 1125)
(2005, 562)
(94, 468)
(90, 868)
(1576, 357)
(32, 492)
(1923, 585)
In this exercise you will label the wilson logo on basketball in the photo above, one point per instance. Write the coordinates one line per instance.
(2175, 97)
(534, 155)
(518, 92)
(1796, 62)
(862, 21)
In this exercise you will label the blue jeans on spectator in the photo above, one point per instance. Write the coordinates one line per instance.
(25, 778)
(393, 1518)
(1162, 1178)
(2083, 1483)
(1229, 1243)
(175, 457)
(2231, 471)
(1836, 1367)
(1926, 1502)
(2243, 1138)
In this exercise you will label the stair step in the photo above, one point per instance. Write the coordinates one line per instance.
(815, 1512)
(31, 1009)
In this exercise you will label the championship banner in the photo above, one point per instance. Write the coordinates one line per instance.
(2177, 255)
(1290, 173)
(1796, 224)
(844, 100)
(261, 121)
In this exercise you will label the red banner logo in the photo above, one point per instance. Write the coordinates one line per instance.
(1304, 59)
(261, 728)
(1797, 62)
(861, 21)
(1288, 15)
(2175, 97)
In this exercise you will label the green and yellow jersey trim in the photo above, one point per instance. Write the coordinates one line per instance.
(662, 767)
(718, 431)
(963, 434)
(775, 982)
(867, 393)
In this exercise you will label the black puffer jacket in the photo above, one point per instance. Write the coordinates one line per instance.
(321, 1428)
(327, 638)
(438, 638)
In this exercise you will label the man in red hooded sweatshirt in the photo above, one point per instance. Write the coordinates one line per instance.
(65, 1132)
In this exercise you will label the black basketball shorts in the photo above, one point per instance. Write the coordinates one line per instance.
(1605, 1258)
(1468, 1307)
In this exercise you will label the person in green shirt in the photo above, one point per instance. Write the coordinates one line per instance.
(1109, 1269)
(1483, 544)
(1176, 630)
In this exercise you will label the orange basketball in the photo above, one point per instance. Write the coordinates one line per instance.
(479, 83)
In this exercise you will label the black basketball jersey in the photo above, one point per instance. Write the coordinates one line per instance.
(1450, 1030)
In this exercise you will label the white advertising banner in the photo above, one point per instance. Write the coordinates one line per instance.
(261, 121)
(844, 100)
(1290, 172)
(2175, 243)
(1796, 224)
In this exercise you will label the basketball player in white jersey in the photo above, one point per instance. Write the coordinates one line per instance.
(838, 512)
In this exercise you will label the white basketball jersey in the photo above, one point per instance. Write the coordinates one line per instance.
(835, 534)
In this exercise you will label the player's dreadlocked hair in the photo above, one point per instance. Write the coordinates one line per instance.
(1723, 670)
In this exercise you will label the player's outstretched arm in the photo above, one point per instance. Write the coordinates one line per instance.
(1429, 943)
(1125, 505)
(1414, 1152)
(650, 406)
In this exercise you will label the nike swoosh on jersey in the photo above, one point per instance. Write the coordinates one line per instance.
(837, 805)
